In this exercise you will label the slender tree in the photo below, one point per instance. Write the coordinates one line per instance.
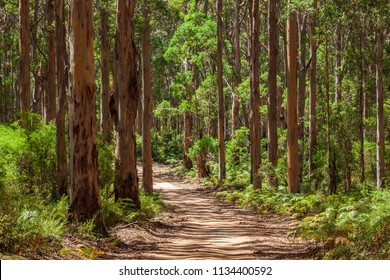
(272, 89)
(255, 125)
(292, 122)
(127, 94)
(24, 65)
(313, 89)
(237, 63)
(147, 180)
(221, 107)
(380, 130)
(84, 192)
(50, 106)
(62, 166)
(106, 122)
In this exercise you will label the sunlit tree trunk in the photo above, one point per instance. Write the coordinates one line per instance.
(313, 90)
(84, 192)
(147, 180)
(301, 90)
(127, 96)
(292, 122)
(221, 109)
(272, 89)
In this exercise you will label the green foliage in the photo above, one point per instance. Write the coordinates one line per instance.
(237, 158)
(151, 208)
(206, 147)
(352, 227)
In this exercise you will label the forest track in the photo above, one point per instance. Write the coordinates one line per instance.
(202, 227)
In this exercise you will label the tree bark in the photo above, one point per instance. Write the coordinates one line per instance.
(106, 122)
(238, 78)
(24, 65)
(127, 95)
(332, 184)
(221, 108)
(380, 130)
(50, 109)
(313, 90)
(62, 161)
(84, 195)
(292, 129)
(147, 179)
(272, 90)
(338, 69)
(361, 111)
(254, 119)
(301, 91)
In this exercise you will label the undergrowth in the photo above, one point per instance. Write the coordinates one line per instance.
(32, 217)
(354, 225)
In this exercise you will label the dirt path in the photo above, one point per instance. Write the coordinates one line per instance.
(201, 227)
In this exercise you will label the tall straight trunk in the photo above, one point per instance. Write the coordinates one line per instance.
(338, 69)
(221, 108)
(301, 91)
(51, 74)
(361, 111)
(127, 94)
(331, 162)
(106, 122)
(84, 192)
(62, 166)
(147, 180)
(292, 122)
(272, 90)
(36, 108)
(24, 64)
(313, 90)
(237, 63)
(187, 162)
(380, 129)
(255, 124)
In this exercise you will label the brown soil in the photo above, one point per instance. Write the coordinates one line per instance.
(201, 227)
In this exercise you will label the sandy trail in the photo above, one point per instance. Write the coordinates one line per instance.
(202, 227)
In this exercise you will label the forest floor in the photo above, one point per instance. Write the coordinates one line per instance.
(199, 226)
(196, 226)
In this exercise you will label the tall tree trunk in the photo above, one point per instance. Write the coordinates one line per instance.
(313, 90)
(361, 111)
(237, 63)
(332, 184)
(272, 90)
(24, 64)
(255, 125)
(221, 108)
(338, 68)
(36, 108)
(62, 166)
(51, 74)
(187, 162)
(301, 90)
(106, 122)
(84, 192)
(127, 96)
(380, 130)
(292, 122)
(147, 180)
